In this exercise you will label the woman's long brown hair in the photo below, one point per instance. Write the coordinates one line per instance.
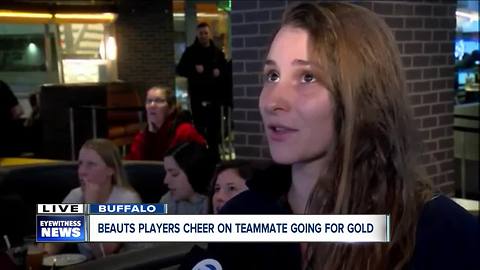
(374, 169)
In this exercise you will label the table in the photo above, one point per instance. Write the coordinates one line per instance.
(471, 206)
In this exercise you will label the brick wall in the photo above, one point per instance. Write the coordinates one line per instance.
(145, 41)
(424, 31)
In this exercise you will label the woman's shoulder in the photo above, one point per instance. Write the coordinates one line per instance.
(166, 198)
(267, 187)
(198, 206)
(255, 203)
(185, 131)
(441, 214)
(123, 195)
(74, 196)
(447, 236)
(185, 127)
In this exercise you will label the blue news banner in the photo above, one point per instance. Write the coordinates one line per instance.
(69, 222)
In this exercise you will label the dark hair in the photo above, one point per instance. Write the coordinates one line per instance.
(202, 24)
(196, 162)
(244, 169)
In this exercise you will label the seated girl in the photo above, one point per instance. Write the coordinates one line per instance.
(229, 180)
(189, 168)
(102, 180)
(167, 127)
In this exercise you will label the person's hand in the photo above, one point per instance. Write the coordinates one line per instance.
(216, 72)
(92, 191)
(199, 68)
(152, 127)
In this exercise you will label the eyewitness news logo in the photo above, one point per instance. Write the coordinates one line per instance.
(61, 223)
(60, 228)
(70, 222)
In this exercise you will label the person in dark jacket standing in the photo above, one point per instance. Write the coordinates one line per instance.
(203, 64)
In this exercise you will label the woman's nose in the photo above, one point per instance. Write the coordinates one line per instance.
(220, 197)
(81, 171)
(276, 99)
(166, 180)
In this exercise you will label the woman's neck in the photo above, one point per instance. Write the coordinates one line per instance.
(304, 178)
(104, 194)
(195, 198)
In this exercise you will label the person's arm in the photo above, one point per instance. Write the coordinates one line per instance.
(10, 100)
(186, 132)
(220, 61)
(219, 64)
(137, 147)
(185, 66)
(101, 250)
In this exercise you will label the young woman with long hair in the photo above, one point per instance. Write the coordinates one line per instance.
(334, 107)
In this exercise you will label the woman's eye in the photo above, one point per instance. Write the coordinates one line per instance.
(272, 76)
(308, 78)
(232, 188)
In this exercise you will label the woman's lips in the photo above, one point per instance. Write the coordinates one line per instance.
(280, 133)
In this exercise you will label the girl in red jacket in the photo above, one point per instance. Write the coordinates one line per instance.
(166, 127)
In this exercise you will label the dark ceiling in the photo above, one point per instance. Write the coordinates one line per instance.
(78, 6)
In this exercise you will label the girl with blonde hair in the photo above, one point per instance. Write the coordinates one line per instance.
(102, 180)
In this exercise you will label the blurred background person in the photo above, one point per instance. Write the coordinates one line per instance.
(167, 126)
(189, 169)
(102, 180)
(33, 126)
(10, 114)
(204, 66)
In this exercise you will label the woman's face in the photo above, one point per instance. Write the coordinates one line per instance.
(229, 184)
(177, 181)
(92, 168)
(157, 107)
(297, 110)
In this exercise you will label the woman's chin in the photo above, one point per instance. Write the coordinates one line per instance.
(216, 209)
(283, 157)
